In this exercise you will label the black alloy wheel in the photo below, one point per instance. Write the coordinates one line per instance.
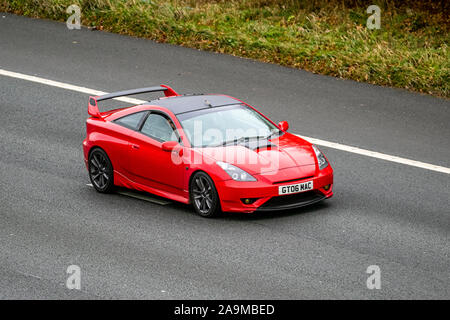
(203, 195)
(101, 171)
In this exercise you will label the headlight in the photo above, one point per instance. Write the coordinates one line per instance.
(235, 173)
(323, 163)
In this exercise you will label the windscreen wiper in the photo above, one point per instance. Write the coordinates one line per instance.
(241, 139)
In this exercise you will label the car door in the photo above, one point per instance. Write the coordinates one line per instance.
(122, 129)
(149, 163)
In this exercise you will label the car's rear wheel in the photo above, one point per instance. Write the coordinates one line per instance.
(101, 171)
(204, 195)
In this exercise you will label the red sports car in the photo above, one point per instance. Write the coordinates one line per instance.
(213, 151)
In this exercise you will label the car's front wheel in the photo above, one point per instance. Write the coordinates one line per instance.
(204, 195)
(101, 171)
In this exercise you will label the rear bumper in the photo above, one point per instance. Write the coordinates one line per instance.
(265, 194)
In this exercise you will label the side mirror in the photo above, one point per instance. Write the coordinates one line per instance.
(169, 145)
(284, 125)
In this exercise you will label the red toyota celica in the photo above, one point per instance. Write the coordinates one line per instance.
(213, 151)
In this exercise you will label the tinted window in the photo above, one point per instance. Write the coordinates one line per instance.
(131, 121)
(159, 127)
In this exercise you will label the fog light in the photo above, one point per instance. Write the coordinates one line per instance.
(248, 200)
(327, 187)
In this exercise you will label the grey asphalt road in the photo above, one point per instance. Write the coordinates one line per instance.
(386, 214)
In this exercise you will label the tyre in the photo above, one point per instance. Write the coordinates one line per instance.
(101, 171)
(204, 195)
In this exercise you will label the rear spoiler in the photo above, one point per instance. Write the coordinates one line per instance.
(93, 100)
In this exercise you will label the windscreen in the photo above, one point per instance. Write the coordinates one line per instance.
(225, 125)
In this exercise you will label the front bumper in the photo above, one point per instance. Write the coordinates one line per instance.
(265, 193)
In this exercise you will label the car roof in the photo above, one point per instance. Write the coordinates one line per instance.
(188, 103)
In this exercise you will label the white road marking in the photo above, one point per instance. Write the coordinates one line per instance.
(377, 155)
(66, 86)
(324, 143)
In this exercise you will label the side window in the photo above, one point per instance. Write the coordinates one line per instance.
(131, 121)
(159, 127)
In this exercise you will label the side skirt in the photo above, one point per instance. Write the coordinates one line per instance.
(122, 181)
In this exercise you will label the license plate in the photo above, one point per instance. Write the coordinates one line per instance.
(296, 188)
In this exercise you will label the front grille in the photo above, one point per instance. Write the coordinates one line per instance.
(292, 180)
(292, 201)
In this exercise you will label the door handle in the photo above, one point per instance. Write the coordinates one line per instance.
(134, 146)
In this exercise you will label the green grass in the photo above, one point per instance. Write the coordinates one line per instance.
(327, 37)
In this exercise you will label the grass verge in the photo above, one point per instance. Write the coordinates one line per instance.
(327, 37)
